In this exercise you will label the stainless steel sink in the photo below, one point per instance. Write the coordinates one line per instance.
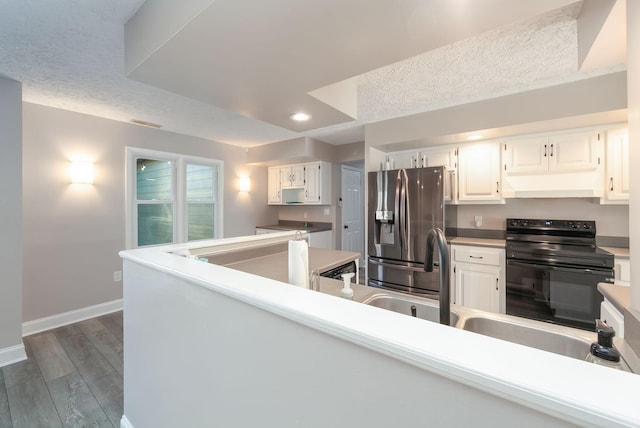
(549, 338)
(424, 308)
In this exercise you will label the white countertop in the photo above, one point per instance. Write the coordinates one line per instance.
(579, 392)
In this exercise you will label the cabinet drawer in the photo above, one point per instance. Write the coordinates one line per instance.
(477, 256)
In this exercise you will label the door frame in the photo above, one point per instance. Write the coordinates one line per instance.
(359, 212)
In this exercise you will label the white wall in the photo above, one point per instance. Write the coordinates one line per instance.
(611, 220)
(72, 233)
(10, 215)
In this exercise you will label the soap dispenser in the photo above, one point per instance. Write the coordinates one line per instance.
(603, 352)
(347, 291)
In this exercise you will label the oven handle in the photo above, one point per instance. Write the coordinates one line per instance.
(562, 269)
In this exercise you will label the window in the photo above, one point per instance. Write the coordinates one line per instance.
(172, 198)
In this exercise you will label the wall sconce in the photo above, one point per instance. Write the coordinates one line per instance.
(81, 172)
(244, 184)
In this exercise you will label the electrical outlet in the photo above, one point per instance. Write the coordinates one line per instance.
(306, 215)
(117, 275)
(327, 211)
(477, 220)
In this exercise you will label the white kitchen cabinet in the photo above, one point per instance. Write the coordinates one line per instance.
(612, 316)
(563, 165)
(479, 173)
(308, 183)
(617, 167)
(622, 271)
(292, 176)
(479, 277)
(419, 158)
(557, 153)
(317, 188)
(274, 186)
(405, 159)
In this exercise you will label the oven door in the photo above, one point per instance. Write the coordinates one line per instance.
(562, 295)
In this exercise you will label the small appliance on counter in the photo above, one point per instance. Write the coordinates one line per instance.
(553, 270)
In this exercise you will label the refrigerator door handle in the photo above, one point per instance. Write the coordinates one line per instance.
(399, 207)
(404, 236)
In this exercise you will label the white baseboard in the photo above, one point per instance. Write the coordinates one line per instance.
(54, 321)
(12, 354)
(124, 422)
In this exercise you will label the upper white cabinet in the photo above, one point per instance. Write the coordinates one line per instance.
(274, 186)
(431, 156)
(617, 168)
(479, 173)
(559, 153)
(308, 183)
(292, 176)
(563, 165)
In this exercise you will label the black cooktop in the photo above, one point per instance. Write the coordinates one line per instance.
(557, 242)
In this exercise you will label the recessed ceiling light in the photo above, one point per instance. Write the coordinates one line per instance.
(300, 117)
(474, 137)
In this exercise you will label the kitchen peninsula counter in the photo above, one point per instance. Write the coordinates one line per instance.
(244, 340)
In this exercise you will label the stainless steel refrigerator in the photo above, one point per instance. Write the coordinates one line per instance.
(404, 204)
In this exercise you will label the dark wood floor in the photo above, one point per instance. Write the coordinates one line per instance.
(73, 378)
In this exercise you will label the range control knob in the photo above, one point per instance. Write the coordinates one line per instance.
(586, 226)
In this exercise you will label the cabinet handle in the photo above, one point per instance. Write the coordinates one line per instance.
(545, 150)
(476, 257)
(497, 281)
(611, 184)
(551, 151)
(497, 187)
(306, 193)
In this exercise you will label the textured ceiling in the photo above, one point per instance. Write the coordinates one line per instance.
(70, 54)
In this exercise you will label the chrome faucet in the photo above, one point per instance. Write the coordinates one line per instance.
(436, 234)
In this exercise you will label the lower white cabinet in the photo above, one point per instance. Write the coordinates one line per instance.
(622, 271)
(478, 277)
(612, 316)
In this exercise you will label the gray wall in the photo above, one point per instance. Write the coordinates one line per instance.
(72, 233)
(10, 213)
(611, 220)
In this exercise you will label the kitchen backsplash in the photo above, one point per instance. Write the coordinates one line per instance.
(611, 220)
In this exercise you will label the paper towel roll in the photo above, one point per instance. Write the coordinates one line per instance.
(299, 263)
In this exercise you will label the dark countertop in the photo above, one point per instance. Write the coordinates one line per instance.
(618, 295)
(310, 227)
(276, 265)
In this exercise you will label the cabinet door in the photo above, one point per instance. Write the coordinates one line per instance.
(285, 177)
(275, 195)
(479, 172)
(440, 157)
(297, 176)
(526, 156)
(573, 152)
(312, 187)
(404, 159)
(478, 286)
(617, 185)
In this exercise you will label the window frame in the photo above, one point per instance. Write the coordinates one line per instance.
(179, 197)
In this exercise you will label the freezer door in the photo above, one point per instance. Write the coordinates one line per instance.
(407, 277)
(423, 209)
(385, 189)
